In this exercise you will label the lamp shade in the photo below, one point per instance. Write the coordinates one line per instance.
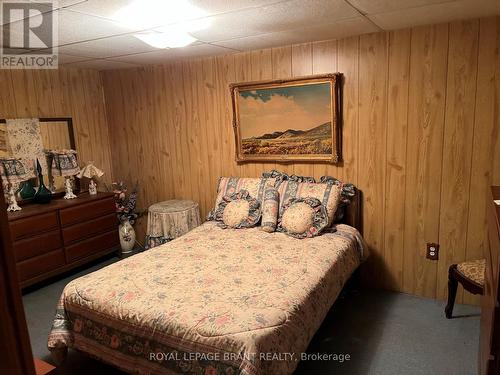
(63, 162)
(90, 171)
(14, 170)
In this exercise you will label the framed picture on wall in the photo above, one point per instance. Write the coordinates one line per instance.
(292, 120)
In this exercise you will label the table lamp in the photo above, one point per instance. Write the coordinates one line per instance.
(64, 163)
(13, 172)
(90, 171)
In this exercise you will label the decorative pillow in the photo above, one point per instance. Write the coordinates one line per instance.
(270, 209)
(279, 177)
(327, 193)
(303, 217)
(347, 193)
(238, 210)
(235, 212)
(232, 185)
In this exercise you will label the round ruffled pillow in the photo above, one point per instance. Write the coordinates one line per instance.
(303, 218)
(238, 210)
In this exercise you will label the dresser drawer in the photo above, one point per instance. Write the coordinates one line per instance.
(33, 225)
(40, 264)
(87, 211)
(37, 245)
(93, 245)
(89, 228)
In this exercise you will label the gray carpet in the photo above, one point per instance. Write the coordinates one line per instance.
(383, 332)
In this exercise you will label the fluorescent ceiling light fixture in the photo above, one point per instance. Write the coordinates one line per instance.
(148, 14)
(174, 39)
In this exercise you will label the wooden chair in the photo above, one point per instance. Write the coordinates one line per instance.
(470, 274)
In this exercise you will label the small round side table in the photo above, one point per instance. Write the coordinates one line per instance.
(170, 219)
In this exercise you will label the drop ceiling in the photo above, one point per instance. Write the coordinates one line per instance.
(90, 38)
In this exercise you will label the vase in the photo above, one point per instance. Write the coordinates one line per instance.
(127, 236)
(27, 191)
(42, 195)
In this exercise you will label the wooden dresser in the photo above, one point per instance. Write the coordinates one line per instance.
(53, 238)
(489, 350)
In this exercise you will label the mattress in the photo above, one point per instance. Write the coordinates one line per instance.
(214, 301)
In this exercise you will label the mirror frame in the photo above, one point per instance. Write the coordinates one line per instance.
(72, 143)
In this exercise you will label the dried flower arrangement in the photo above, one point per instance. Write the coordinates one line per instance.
(126, 206)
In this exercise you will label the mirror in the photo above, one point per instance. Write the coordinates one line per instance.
(55, 133)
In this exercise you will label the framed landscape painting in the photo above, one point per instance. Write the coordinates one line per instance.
(288, 120)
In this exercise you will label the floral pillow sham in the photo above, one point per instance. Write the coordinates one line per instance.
(348, 191)
(327, 193)
(232, 185)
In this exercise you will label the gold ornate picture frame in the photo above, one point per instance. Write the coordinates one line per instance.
(288, 120)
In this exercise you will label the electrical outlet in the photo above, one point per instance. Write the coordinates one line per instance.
(432, 251)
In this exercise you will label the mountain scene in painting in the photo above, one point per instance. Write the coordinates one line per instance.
(317, 140)
(290, 120)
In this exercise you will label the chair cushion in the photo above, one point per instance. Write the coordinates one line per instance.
(473, 270)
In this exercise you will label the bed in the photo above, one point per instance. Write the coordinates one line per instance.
(214, 301)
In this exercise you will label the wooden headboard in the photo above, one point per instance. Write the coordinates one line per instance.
(353, 215)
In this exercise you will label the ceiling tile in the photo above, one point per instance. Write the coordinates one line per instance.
(18, 51)
(89, 38)
(75, 27)
(384, 6)
(109, 7)
(252, 42)
(44, 7)
(99, 64)
(62, 3)
(282, 16)
(68, 59)
(13, 35)
(100, 8)
(340, 29)
(17, 16)
(164, 55)
(108, 47)
(438, 13)
(224, 6)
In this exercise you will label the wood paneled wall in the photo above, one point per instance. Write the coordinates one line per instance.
(62, 93)
(420, 135)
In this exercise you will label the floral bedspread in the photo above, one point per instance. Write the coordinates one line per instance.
(214, 301)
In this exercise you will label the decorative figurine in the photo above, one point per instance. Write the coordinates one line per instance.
(92, 187)
(13, 206)
(68, 186)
